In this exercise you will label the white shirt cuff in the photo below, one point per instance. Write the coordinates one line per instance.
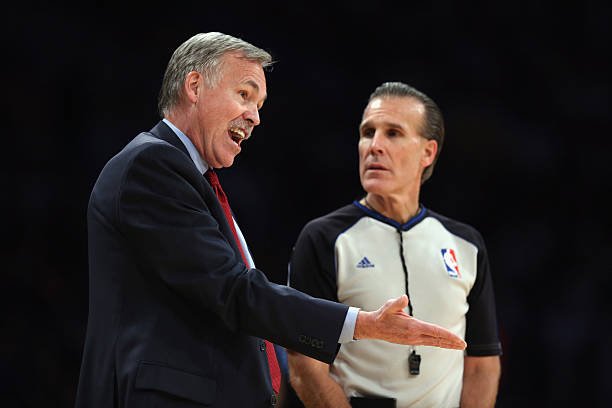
(348, 329)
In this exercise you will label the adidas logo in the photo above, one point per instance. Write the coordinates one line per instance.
(365, 263)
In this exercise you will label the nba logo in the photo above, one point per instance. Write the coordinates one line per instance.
(450, 261)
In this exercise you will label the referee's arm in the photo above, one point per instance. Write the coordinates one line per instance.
(480, 381)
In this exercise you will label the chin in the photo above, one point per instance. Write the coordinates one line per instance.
(227, 163)
(374, 187)
(225, 159)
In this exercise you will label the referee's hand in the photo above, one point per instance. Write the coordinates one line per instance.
(392, 324)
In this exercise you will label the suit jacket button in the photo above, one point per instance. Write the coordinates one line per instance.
(262, 346)
(273, 400)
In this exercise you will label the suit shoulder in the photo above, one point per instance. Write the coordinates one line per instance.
(148, 153)
(145, 145)
(145, 158)
(461, 229)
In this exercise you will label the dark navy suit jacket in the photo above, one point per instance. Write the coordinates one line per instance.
(175, 317)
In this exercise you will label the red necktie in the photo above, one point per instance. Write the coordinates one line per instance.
(212, 178)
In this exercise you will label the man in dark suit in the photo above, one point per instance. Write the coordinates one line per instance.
(177, 310)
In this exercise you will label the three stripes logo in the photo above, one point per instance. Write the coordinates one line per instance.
(365, 263)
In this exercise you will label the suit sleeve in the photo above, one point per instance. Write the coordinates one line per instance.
(167, 223)
(481, 322)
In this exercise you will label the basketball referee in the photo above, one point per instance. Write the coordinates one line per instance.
(386, 245)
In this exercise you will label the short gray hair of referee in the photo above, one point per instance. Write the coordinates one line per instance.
(432, 127)
(203, 53)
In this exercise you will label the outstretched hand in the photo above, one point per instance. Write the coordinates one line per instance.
(392, 324)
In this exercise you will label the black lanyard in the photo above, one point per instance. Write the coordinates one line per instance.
(414, 360)
(399, 231)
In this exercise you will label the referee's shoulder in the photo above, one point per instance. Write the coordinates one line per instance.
(459, 228)
(333, 222)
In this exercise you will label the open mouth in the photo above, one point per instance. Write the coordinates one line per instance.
(237, 134)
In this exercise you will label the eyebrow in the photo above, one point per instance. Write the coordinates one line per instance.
(386, 124)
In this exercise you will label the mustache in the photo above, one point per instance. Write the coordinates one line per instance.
(243, 124)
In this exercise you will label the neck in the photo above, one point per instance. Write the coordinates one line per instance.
(185, 124)
(395, 208)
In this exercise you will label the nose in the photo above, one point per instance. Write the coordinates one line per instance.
(377, 145)
(252, 115)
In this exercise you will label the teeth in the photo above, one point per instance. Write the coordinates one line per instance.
(239, 133)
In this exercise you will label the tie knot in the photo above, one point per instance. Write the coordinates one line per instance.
(212, 178)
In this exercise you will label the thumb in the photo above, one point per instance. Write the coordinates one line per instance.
(400, 303)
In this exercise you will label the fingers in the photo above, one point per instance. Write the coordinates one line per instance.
(433, 335)
(442, 343)
(392, 324)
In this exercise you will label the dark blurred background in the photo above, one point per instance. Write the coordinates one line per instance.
(526, 96)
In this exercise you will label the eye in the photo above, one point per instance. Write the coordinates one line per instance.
(244, 94)
(392, 133)
(367, 132)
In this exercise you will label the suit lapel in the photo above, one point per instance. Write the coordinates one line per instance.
(162, 131)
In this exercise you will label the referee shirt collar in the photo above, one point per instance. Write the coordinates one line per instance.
(403, 227)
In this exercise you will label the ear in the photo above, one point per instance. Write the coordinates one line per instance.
(429, 152)
(193, 86)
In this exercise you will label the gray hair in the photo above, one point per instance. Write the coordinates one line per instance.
(203, 53)
(432, 127)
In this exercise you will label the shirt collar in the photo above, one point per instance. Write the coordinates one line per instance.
(193, 152)
(404, 227)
